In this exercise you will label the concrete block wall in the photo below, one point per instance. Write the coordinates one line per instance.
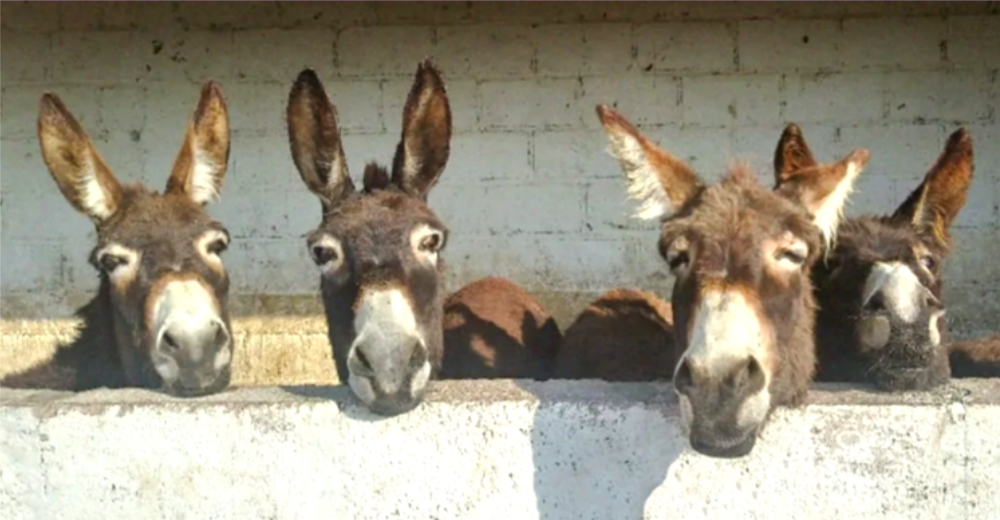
(529, 191)
(494, 450)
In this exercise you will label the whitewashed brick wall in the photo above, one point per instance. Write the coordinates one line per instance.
(529, 191)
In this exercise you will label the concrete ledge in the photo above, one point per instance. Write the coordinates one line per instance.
(501, 449)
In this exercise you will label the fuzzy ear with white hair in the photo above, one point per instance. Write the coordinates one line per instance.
(81, 174)
(658, 181)
(933, 206)
(314, 138)
(202, 162)
(425, 144)
(824, 189)
(792, 153)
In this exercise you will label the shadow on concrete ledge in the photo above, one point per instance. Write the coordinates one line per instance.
(493, 450)
(578, 452)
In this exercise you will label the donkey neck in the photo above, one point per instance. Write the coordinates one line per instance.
(94, 354)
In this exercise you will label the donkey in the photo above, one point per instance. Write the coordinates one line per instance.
(975, 358)
(159, 319)
(379, 252)
(742, 301)
(623, 335)
(881, 316)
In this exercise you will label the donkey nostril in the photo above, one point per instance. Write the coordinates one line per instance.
(170, 345)
(418, 357)
(876, 303)
(363, 360)
(683, 379)
(221, 336)
(749, 377)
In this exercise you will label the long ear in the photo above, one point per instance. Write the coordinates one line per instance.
(933, 206)
(315, 140)
(425, 145)
(823, 190)
(201, 164)
(83, 177)
(660, 182)
(792, 153)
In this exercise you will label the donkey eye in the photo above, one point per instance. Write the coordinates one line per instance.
(109, 262)
(677, 255)
(794, 256)
(326, 251)
(928, 262)
(322, 254)
(677, 260)
(216, 247)
(431, 243)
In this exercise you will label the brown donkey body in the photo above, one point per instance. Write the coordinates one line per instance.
(742, 301)
(623, 335)
(379, 252)
(879, 289)
(495, 329)
(159, 319)
(975, 358)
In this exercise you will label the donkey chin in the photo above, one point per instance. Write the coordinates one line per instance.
(394, 393)
(904, 355)
(193, 348)
(389, 370)
(727, 430)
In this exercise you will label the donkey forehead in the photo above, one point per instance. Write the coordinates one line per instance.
(148, 219)
(732, 213)
(874, 239)
(366, 216)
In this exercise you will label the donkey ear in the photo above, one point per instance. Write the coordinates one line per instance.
(660, 182)
(426, 142)
(823, 190)
(792, 153)
(201, 164)
(315, 140)
(933, 206)
(82, 176)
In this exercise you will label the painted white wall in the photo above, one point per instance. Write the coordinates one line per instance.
(493, 450)
(529, 191)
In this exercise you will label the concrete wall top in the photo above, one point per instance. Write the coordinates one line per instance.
(499, 449)
(711, 81)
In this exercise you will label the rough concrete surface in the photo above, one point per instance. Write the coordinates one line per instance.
(711, 81)
(503, 449)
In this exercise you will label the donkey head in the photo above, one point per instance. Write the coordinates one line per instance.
(742, 299)
(378, 249)
(158, 255)
(881, 319)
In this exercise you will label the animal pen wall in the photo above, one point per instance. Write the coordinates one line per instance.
(530, 194)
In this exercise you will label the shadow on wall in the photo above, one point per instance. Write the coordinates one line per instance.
(575, 452)
(572, 447)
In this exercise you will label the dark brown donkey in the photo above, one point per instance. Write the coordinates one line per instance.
(379, 252)
(623, 335)
(742, 300)
(976, 357)
(881, 316)
(159, 319)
